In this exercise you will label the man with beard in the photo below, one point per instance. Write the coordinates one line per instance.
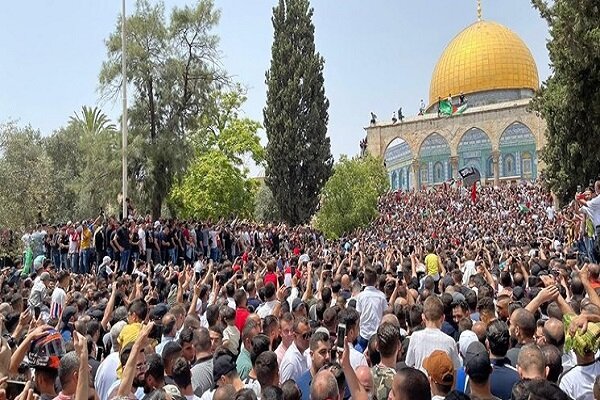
(522, 328)
(139, 378)
(320, 354)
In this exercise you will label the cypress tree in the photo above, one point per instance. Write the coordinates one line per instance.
(568, 100)
(298, 155)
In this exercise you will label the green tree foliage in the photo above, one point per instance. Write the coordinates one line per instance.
(299, 160)
(349, 198)
(25, 176)
(85, 160)
(216, 182)
(265, 208)
(568, 100)
(99, 163)
(173, 67)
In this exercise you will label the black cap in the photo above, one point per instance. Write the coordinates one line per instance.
(223, 364)
(158, 311)
(68, 313)
(477, 361)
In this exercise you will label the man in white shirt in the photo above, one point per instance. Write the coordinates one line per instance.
(371, 304)
(59, 296)
(106, 374)
(578, 382)
(294, 361)
(351, 319)
(142, 236)
(424, 342)
(592, 208)
(267, 307)
(39, 290)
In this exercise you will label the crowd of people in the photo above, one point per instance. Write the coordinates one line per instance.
(444, 296)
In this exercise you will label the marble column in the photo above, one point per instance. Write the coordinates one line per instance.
(414, 173)
(496, 167)
(454, 164)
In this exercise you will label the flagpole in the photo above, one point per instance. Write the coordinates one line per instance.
(124, 116)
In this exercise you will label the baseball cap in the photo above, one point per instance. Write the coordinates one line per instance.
(477, 361)
(466, 338)
(158, 311)
(297, 303)
(38, 262)
(457, 298)
(46, 351)
(223, 364)
(440, 368)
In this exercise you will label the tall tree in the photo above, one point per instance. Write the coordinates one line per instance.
(298, 153)
(568, 100)
(216, 183)
(99, 162)
(24, 176)
(172, 65)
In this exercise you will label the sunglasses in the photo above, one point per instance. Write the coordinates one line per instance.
(305, 336)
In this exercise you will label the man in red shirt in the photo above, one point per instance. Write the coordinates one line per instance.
(241, 311)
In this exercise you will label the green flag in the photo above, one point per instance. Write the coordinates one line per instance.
(446, 108)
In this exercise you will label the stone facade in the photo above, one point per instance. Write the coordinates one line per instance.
(502, 140)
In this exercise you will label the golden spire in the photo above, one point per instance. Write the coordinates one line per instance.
(478, 10)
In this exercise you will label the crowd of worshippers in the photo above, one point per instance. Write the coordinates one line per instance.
(439, 298)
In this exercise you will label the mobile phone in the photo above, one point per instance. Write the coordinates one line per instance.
(14, 389)
(578, 188)
(341, 336)
(36, 312)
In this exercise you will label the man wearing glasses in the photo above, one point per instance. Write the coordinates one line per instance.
(294, 361)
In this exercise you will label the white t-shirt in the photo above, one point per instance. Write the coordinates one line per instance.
(57, 303)
(578, 382)
(106, 375)
(142, 235)
(370, 303)
(293, 364)
(208, 395)
(468, 269)
(357, 358)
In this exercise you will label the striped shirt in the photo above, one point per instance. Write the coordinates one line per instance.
(58, 302)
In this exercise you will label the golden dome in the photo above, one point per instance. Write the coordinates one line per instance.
(484, 56)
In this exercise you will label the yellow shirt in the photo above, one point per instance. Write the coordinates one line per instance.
(431, 262)
(86, 239)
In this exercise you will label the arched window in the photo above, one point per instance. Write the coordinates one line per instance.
(438, 172)
(424, 174)
(526, 164)
(489, 167)
(509, 165)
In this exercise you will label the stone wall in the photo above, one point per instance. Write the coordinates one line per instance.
(492, 119)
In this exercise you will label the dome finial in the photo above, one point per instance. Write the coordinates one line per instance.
(478, 10)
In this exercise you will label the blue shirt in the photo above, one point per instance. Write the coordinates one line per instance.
(504, 377)
(304, 382)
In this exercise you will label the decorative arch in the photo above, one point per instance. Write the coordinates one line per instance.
(517, 133)
(397, 153)
(434, 145)
(434, 154)
(474, 149)
(398, 160)
(474, 139)
(517, 147)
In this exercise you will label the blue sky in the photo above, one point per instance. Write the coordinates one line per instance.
(379, 54)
